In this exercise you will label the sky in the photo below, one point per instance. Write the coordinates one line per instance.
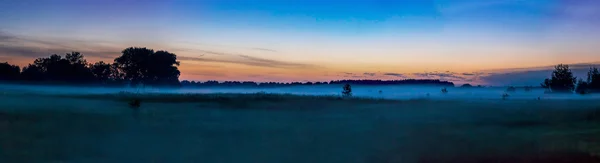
(464, 41)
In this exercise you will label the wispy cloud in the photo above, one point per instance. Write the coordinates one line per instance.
(264, 49)
(369, 74)
(250, 61)
(17, 46)
(394, 74)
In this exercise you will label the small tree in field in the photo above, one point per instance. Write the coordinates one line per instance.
(562, 79)
(347, 90)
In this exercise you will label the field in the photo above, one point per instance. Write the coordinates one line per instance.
(290, 128)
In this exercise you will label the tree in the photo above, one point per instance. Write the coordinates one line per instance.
(593, 79)
(347, 90)
(32, 73)
(562, 79)
(71, 69)
(9, 72)
(103, 72)
(466, 85)
(144, 66)
(582, 87)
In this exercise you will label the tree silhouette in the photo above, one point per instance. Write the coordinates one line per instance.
(347, 90)
(32, 73)
(9, 72)
(562, 79)
(144, 66)
(582, 87)
(593, 79)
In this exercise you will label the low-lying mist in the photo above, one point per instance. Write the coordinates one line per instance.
(386, 92)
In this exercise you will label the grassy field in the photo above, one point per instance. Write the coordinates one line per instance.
(290, 128)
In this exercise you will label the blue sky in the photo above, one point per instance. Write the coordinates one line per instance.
(296, 40)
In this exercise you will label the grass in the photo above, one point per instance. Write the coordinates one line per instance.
(289, 128)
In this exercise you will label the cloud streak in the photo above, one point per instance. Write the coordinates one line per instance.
(250, 61)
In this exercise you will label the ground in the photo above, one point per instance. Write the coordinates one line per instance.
(288, 128)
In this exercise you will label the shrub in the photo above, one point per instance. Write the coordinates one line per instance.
(135, 103)
(347, 90)
(582, 87)
(511, 89)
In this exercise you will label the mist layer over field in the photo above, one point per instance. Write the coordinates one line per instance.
(70, 124)
(387, 92)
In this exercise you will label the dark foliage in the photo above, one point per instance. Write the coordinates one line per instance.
(444, 90)
(9, 72)
(347, 90)
(145, 66)
(135, 103)
(593, 79)
(562, 79)
(511, 89)
(582, 87)
(136, 65)
(395, 82)
(466, 85)
(212, 83)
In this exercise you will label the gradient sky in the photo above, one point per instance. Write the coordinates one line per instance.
(312, 40)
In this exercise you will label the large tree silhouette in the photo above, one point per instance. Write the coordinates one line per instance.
(145, 66)
(71, 69)
(9, 72)
(562, 79)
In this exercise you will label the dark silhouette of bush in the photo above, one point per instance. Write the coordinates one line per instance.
(9, 72)
(593, 80)
(444, 90)
(347, 90)
(582, 87)
(135, 103)
(511, 89)
(466, 85)
(147, 67)
(562, 79)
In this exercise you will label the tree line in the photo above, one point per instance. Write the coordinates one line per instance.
(212, 83)
(136, 66)
(562, 80)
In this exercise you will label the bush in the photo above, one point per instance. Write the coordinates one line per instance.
(511, 89)
(582, 87)
(135, 103)
(347, 92)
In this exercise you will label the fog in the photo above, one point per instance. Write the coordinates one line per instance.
(387, 92)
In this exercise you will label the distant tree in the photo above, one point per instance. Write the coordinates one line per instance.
(593, 79)
(145, 66)
(562, 79)
(582, 87)
(546, 84)
(71, 69)
(9, 72)
(103, 72)
(511, 89)
(466, 85)
(347, 90)
(32, 73)
(444, 90)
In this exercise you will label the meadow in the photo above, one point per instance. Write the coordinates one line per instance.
(266, 127)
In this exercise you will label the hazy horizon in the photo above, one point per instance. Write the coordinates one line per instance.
(268, 40)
